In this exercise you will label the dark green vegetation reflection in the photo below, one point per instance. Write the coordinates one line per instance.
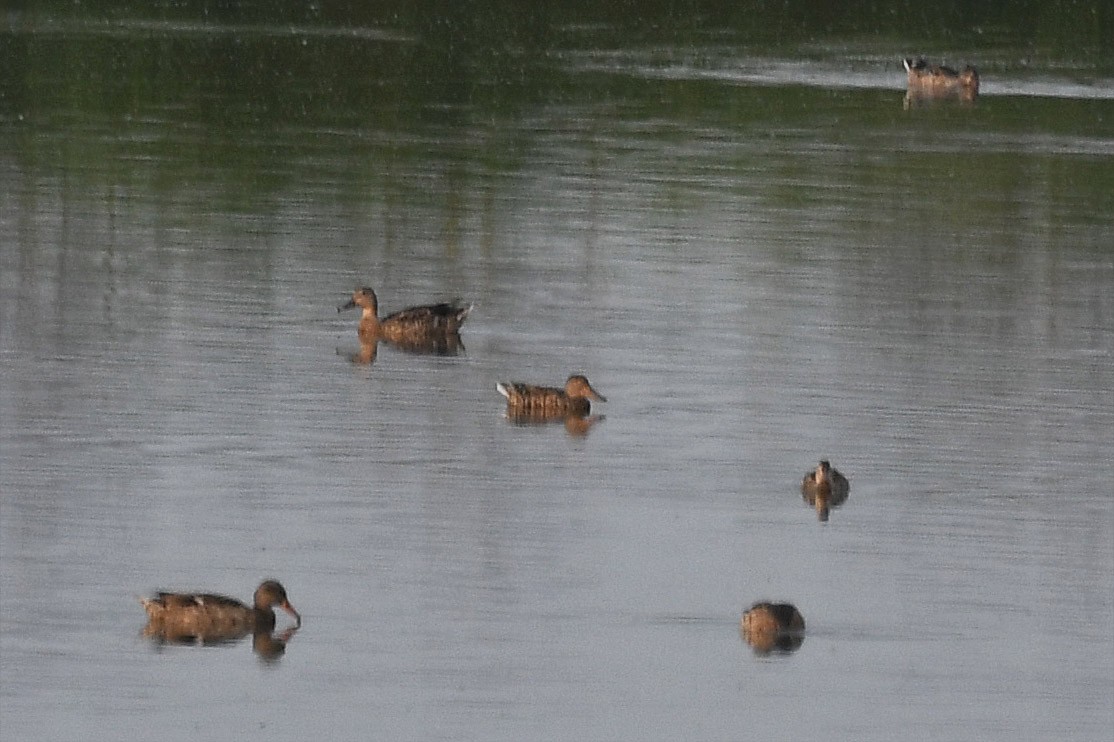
(217, 89)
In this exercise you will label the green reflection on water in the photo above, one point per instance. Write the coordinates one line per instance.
(249, 100)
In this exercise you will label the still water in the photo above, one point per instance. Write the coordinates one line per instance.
(761, 258)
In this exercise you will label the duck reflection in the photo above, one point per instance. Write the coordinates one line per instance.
(269, 647)
(575, 424)
(930, 84)
(209, 619)
(773, 627)
(369, 351)
(825, 488)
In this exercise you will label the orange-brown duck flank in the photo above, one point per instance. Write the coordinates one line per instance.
(773, 617)
(216, 616)
(574, 399)
(409, 327)
(770, 626)
(933, 80)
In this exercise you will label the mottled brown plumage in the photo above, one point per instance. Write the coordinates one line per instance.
(769, 626)
(825, 488)
(543, 401)
(416, 327)
(206, 616)
(926, 80)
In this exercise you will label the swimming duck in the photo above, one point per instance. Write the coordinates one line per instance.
(825, 488)
(936, 81)
(408, 327)
(542, 401)
(215, 617)
(769, 626)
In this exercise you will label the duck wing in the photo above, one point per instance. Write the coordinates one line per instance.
(443, 317)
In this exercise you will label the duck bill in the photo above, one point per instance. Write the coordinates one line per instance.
(290, 609)
(597, 396)
(350, 304)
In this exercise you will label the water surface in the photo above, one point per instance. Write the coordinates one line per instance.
(759, 256)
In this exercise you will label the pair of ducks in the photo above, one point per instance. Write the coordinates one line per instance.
(767, 627)
(428, 326)
(209, 618)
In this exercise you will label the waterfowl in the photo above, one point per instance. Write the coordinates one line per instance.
(825, 488)
(547, 401)
(215, 617)
(936, 81)
(415, 326)
(769, 626)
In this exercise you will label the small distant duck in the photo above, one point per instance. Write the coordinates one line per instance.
(412, 327)
(215, 617)
(936, 81)
(769, 626)
(540, 401)
(825, 488)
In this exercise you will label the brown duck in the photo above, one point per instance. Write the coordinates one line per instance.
(825, 488)
(770, 626)
(215, 617)
(413, 327)
(543, 401)
(936, 81)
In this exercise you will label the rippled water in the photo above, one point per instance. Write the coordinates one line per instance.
(755, 275)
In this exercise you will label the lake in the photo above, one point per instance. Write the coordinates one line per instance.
(751, 245)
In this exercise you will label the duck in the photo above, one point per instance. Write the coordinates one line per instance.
(215, 617)
(936, 81)
(768, 626)
(825, 488)
(547, 401)
(409, 328)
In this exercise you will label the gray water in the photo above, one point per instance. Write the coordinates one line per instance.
(758, 272)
